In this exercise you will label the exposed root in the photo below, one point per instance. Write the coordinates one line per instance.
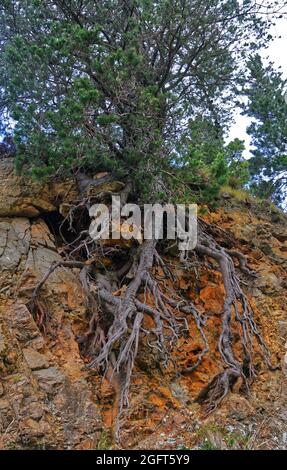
(242, 262)
(236, 305)
(35, 305)
(53, 267)
(128, 312)
(115, 332)
(217, 389)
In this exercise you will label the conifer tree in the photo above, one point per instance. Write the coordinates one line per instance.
(267, 108)
(112, 84)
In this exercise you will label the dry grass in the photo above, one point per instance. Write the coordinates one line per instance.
(240, 195)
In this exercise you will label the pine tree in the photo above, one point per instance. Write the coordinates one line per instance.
(111, 85)
(267, 107)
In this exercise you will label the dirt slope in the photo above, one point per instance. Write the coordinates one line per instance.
(50, 399)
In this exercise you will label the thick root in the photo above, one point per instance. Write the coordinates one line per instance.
(235, 302)
(116, 331)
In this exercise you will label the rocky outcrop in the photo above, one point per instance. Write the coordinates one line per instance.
(45, 398)
(23, 197)
(48, 397)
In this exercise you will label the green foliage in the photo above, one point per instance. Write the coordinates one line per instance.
(267, 108)
(217, 437)
(104, 442)
(205, 163)
(111, 85)
(208, 445)
(238, 167)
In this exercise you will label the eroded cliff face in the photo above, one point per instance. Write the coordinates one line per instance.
(50, 399)
(46, 399)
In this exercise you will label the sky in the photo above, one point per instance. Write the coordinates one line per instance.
(277, 53)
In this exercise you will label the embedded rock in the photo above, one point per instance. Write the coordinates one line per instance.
(46, 400)
(34, 359)
(49, 379)
(23, 197)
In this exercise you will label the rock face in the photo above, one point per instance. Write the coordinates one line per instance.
(50, 400)
(46, 400)
(20, 197)
(34, 359)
